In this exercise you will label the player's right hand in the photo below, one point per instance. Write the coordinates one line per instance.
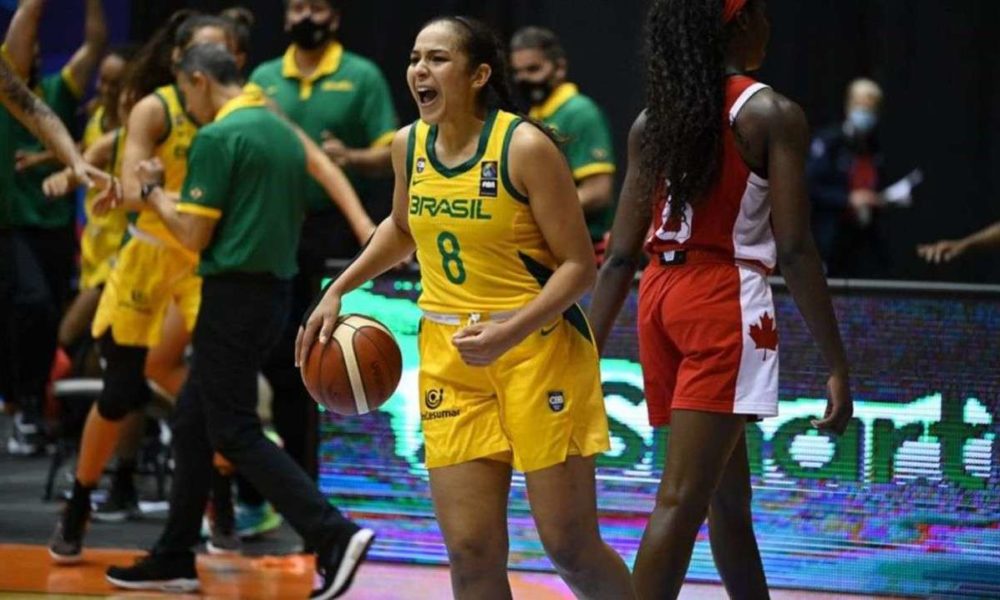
(319, 326)
(839, 406)
(942, 251)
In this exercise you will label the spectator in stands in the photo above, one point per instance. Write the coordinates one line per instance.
(845, 174)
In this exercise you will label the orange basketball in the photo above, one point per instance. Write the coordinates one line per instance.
(357, 370)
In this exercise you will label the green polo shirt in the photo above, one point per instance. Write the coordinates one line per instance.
(29, 207)
(587, 142)
(346, 96)
(248, 170)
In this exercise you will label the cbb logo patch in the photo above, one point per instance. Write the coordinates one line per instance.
(421, 165)
(557, 401)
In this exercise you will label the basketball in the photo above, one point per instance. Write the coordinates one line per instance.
(357, 370)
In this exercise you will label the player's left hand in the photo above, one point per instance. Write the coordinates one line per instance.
(480, 344)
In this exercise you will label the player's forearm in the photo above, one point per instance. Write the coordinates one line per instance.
(177, 223)
(341, 192)
(984, 239)
(803, 272)
(371, 162)
(388, 247)
(37, 117)
(568, 284)
(614, 281)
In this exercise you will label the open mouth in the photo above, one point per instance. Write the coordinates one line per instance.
(426, 96)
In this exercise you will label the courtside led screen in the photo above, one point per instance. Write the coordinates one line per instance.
(906, 502)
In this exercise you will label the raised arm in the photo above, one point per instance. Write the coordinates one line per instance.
(787, 146)
(627, 235)
(22, 35)
(41, 122)
(95, 38)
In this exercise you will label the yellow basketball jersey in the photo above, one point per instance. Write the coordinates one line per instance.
(104, 234)
(479, 247)
(94, 128)
(172, 152)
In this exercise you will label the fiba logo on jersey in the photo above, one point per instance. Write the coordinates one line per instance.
(488, 179)
(433, 398)
(557, 401)
(421, 165)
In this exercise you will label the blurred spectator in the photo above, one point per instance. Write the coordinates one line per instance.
(845, 173)
(944, 251)
(539, 64)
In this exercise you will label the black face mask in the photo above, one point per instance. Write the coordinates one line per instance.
(534, 92)
(309, 35)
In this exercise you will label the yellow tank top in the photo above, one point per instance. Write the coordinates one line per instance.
(94, 128)
(479, 247)
(172, 151)
(103, 234)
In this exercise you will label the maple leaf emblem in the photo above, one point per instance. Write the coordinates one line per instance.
(765, 336)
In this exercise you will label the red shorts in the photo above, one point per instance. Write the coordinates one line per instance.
(707, 340)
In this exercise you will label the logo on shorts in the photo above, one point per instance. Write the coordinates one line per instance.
(421, 165)
(764, 335)
(196, 193)
(557, 401)
(433, 398)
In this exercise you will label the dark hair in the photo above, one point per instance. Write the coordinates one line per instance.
(187, 30)
(334, 4)
(538, 38)
(481, 44)
(213, 60)
(152, 66)
(685, 97)
(126, 52)
(242, 21)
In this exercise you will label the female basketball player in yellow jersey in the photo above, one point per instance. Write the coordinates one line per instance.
(509, 371)
(152, 269)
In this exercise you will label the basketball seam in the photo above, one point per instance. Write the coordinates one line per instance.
(378, 349)
(351, 364)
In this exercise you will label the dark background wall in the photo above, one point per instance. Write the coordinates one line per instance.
(938, 60)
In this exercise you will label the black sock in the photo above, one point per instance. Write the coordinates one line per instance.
(81, 493)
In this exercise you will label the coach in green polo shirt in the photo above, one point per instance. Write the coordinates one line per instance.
(241, 207)
(539, 64)
(340, 99)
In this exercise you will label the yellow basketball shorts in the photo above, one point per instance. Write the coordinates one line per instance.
(537, 404)
(146, 278)
(99, 245)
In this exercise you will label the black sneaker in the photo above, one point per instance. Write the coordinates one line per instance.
(121, 505)
(335, 568)
(157, 572)
(66, 545)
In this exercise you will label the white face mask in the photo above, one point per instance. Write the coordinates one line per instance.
(863, 120)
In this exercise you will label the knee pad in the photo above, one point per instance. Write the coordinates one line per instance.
(125, 387)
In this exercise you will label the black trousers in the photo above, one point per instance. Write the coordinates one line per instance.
(38, 272)
(240, 320)
(7, 319)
